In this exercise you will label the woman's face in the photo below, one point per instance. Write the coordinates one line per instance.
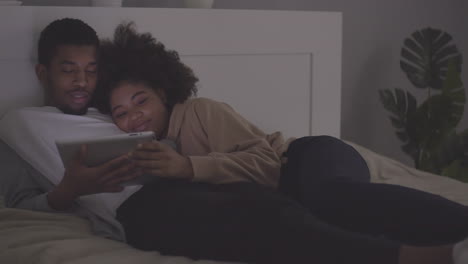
(135, 107)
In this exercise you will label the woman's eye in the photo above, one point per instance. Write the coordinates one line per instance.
(120, 115)
(140, 102)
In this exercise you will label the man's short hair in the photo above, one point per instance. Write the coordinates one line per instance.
(66, 31)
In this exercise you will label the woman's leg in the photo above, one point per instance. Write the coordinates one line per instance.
(331, 179)
(394, 212)
(315, 159)
(241, 222)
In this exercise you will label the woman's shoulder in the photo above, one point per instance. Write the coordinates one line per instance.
(198, 104)
(193, 112)
(202, 101)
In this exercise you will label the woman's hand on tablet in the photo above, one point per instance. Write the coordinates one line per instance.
(162, 160)
(80, 179)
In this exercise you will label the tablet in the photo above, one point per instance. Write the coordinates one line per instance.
(102, 149)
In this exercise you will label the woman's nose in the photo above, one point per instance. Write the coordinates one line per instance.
(134, 115)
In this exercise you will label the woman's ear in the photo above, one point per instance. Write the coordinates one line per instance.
(162, 95)
(41, 73)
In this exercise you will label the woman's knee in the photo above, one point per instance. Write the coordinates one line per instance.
(336, 160)
(324, 142)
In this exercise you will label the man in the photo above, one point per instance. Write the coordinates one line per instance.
(67, 70)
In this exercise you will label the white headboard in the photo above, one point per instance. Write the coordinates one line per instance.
(279, 69)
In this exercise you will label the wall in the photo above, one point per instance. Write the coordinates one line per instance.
(373, 35)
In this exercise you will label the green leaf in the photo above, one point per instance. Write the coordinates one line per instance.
(449, 51)
(454, 91)
(397, 123)
(411, 103)
(452, 82)
(457, 170)
(403, 136)
(402, 105)
(451, 147)
(388, 100)
(425, 55)
(440, 114)
(431, 60)
(442, 41)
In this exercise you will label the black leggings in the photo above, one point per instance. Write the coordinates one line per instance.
(330, 178)
(329, 213)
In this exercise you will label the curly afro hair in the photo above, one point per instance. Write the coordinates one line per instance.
(140, 58)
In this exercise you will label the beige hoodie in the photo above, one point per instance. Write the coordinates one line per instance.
(223, 146)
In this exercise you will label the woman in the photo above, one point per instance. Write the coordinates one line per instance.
(219, 192)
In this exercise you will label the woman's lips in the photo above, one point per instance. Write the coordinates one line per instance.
(141, 127)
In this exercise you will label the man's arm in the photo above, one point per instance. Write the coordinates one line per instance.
(22, 186)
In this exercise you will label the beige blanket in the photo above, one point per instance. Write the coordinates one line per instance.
(44, 238)
(34, 237)
(386, 170)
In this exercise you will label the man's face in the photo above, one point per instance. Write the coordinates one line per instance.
(70, 79)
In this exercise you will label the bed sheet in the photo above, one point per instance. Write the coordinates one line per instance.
(44, 238)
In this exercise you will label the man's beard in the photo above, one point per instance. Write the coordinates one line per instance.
(63, 107)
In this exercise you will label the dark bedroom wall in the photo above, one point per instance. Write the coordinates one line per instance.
(373, 35)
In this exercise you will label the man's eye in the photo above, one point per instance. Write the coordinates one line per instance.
(67, 70)
(91, 69)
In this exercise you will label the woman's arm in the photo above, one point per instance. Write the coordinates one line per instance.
(239, 150)
(233, 149)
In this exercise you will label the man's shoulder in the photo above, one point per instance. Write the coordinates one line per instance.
(94, 113)
(9, 158)
(5, 151)
(30, 110)
(37, 111)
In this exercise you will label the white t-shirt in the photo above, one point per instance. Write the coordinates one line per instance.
(32, 131)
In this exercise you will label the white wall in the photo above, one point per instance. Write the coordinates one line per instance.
(373, 34)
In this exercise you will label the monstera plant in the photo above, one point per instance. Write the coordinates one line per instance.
(431, 61)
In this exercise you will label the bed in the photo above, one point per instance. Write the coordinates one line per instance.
(240, 56)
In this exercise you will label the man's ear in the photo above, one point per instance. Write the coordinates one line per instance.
(41, 73)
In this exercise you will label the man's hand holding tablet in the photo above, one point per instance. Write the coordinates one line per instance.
(96, 165)
(102, 149)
